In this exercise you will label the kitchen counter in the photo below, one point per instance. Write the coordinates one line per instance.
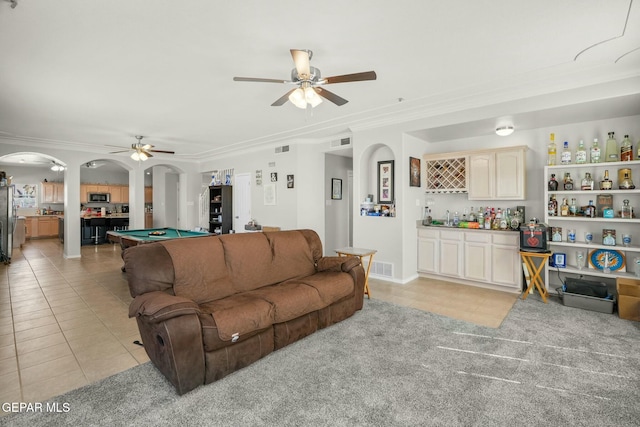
(114, 215)
(419, 225)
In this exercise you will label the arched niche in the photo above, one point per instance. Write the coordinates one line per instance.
(368, 177)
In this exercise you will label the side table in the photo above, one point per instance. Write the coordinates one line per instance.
(361, 253)
(529, 264)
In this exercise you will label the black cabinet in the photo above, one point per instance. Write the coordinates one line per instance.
(220, 209)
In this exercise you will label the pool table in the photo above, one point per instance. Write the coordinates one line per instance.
(128, 238)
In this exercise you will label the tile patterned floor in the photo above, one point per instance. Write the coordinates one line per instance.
(64, 322)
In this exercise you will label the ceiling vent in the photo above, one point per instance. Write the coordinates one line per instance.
(341, 142)
(282, 149)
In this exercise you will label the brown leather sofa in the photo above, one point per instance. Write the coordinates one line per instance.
(209, 306)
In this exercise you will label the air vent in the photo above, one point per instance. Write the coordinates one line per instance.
(282, 149)
(382, 269)
(340, 142)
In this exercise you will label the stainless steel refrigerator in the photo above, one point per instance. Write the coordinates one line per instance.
(7, 222)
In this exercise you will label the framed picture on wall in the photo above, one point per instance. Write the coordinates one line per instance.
(385, 181)
(414, 172)
(336, 189)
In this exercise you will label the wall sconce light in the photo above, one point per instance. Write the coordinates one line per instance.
(504, 130)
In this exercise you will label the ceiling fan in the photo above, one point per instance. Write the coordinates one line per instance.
(140, 151)
(309, 82)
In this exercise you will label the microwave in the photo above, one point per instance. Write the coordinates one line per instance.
(99, 197)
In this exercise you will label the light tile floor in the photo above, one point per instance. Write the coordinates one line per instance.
(64, 322)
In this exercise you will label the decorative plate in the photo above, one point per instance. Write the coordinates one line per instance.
(597, 258)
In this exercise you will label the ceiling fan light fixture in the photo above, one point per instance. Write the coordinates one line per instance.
(297, 98)
(312, 97)
(57, 168)
(143, 156)
(135, 156)
(504, 130)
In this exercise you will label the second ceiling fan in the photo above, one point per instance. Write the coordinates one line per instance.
(309, 82)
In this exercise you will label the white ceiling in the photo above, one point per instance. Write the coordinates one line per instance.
(84, 75)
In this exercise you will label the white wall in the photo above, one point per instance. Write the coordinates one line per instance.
(336, 212)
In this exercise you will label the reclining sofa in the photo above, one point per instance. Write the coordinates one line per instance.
(208, 306)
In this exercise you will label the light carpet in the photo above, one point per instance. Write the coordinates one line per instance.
(389, 365)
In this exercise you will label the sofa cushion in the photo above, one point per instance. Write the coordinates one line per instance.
(331, 286)
(290, 299)
(262, 259)
(200, 270)
(239, 314)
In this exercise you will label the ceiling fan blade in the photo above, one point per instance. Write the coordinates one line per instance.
(162, 151)
(257, 79)
(330, 96)
(146, 146)
(115, 146)
(301, 59)
(284, 98)
(146, 153)
(355, 77)
(121, 151)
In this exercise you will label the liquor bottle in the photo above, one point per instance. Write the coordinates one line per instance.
(626, 150)
(592, 209)
(581, 153)
(568, 181)
(606, 183)
(565, 156)
(626, 183)
(564, 208)
(595, 151)
(472, 215)
(611, 151)
(505, 220)
(515, 221)
(480, 217)
(573, 208)
(552, 207)
(626, 209)
(587, 182)
(551, 151)
(553, 184)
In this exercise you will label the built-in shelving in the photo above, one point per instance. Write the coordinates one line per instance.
(220, 209)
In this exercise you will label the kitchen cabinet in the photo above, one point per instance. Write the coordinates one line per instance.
(41, 226)
(498, 174)
(446, 174)
(52, 192)
(477, 256)
(451, 253)
(428, 250)
(582, 224)
(485, 258)
(31, 223)
(148, 194)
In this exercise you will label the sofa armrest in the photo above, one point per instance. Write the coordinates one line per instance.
(159, 306)
(337, 263)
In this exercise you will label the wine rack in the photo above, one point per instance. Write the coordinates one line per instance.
(447, 175)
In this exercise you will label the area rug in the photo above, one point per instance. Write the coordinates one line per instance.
(396, 366)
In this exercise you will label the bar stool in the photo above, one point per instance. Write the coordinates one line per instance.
(96, 223)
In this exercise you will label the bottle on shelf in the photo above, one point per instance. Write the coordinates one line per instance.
(480, 216)
(551, 151)
(626, 209)
(516, 220)
(472, 215)
(553, 183)
(566, 155)
(552, 207)
(606, 183)
(505, 220)
(626, 183)
(591, 210)
(595, 151)
(611, 151)
(573, 208)
(587, 182)
(626, 150)
(581, 153)
(568, 181)
(564, 208)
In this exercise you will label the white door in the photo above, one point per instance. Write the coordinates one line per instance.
(241, 201)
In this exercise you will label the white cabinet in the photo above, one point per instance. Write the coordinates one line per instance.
(498, 174)
(451, 253)
(477, 256)
(583, 224)
(485, 258)
(428, 250)
(505, 260)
